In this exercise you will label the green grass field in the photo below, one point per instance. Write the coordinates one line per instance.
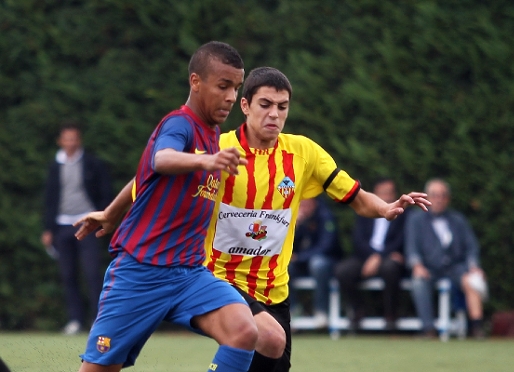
(184, 352)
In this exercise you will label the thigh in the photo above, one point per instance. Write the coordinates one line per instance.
(65, 244)
(134, 301)
(90, 251)
(390, 269)
(349, 270)
(201, 293)
(320, 264)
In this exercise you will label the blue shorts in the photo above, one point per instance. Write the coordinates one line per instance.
(137, 297)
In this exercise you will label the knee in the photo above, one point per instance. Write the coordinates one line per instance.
(271, 342)
(420, 285)
(320, 267)
(245, 336)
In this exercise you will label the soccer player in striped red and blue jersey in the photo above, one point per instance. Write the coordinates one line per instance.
(249, 241)
(157, 272)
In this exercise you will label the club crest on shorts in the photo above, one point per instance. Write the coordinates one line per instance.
(103, 344)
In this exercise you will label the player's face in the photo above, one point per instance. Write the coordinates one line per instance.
(439, 195)
(217, 92)
(70, 141)
(265, 116)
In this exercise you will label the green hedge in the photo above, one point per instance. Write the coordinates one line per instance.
(408, 89)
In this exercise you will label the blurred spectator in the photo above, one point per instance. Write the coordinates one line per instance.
(441, 244)
(77, 183)
(315, 250)
(377, 252)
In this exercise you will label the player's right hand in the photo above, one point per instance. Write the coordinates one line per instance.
(227, 160)
(91, 222)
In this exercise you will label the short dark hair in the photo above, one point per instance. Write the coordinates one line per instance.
(214, 50)
(70, 124)
(265, 77)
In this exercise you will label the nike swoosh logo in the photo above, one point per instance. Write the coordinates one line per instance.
(199, 152)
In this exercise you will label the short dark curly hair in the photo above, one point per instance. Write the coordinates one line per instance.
(218, 50)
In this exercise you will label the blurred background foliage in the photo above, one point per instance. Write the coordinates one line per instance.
(411, 89)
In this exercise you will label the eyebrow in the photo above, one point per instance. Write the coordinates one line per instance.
(269, 101)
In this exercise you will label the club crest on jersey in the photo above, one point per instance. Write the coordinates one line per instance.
(286, 187)
(103, 344)
(257, 231)
(209, 190)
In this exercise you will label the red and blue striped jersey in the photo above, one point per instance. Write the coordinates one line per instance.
(167, 222)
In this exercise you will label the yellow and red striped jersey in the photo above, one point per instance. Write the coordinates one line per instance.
(250, 238)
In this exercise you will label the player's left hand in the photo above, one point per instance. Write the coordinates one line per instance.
(91, 222)
(406, 200)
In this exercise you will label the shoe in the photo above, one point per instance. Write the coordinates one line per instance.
(355, 319)
(478, 333)
(71, 328)
(320, 320)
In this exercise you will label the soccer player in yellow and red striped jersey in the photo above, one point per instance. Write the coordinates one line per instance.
(250, 237)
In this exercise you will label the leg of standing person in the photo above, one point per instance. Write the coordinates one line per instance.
(91, 264)
(348, 273)
(321, 269)
(422, 297)
(187, 296)
(273, 348)
(67, 247)
(296, 270)
(391, 272)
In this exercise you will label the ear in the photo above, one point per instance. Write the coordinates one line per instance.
(245, 106)
(195, 81)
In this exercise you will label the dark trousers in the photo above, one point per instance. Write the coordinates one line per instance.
(76, 258)
(348, 273)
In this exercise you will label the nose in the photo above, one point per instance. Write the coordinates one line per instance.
(231, 95)
(273, 113)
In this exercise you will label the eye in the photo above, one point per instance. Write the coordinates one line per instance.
(282, 108)
(265, 105)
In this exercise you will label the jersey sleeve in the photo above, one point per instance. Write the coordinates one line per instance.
(326, 176)
(176, 133)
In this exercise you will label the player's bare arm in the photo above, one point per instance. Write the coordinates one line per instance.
(107, 219)
(169, 161)
(369, 205)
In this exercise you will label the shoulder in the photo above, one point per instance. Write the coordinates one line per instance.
(457, 216)
(177, 120)
(299, 145)
(228, 139)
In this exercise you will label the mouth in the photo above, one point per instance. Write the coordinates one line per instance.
(272, 127)
(224, 112)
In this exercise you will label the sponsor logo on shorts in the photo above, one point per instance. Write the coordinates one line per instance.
(103, 344)
(213, 367)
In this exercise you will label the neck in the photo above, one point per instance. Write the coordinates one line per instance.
(258, 143)
(198, 112)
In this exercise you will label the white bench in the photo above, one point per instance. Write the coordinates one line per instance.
(444, 323)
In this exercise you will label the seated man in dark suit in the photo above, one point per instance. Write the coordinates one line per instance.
(377, 251)
(315, 251)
